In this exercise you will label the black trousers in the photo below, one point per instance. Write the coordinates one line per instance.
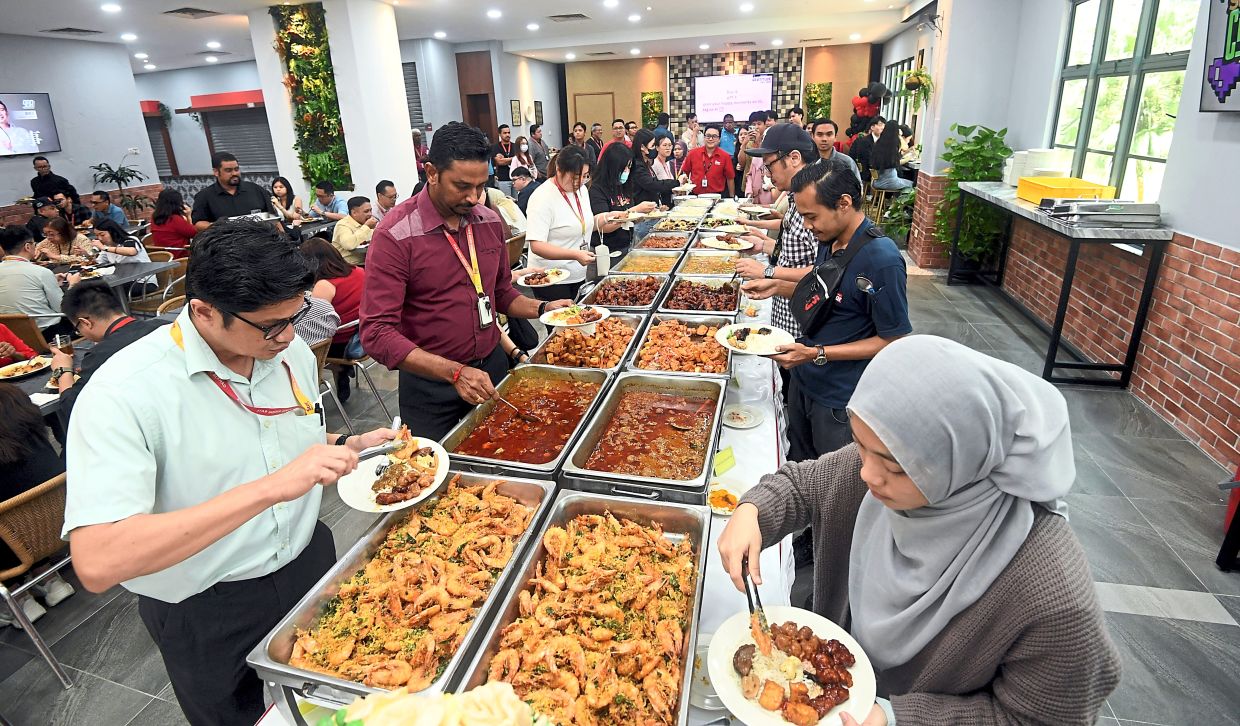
(563, 291)
(431, 408)
(813, 429)
(204, 639)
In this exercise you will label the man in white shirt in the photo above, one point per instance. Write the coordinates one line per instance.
(203, 497)
(385, 199)
(692, 135)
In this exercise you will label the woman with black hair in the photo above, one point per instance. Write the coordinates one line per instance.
(647, 186)
(560, 221)
(171, 227)
(612, 195)
(287, 204)
(885, 159)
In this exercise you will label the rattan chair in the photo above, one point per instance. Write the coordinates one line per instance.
(320, 354)
(361, 365)
(30, 525)
(171, 303)
(171, 284)
(160, 256)
(26, 328)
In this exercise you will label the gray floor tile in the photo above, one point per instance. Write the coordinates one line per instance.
(64, 617)
(1160, 602)
(933, 312)
(1232, 603)
(12, 659)
(159, 713)
(166, 694)
(960, 331)
(1176, 671)
(115, 645)
(348, 525)
(922, 289)
(1152, 468)
(1116, 412)
(1090, 478)
(33, 695)
(1195, 532)
(1001, 336)
(1122, 547)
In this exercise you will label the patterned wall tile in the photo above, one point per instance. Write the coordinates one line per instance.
(783, 63)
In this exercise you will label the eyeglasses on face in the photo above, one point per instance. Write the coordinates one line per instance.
(271, 331)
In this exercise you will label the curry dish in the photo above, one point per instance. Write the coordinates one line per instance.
(505, 434)
(628, 290)
(600, 631)
(398, 621)
(689, 295)
(657, 435)
(648, 263)
(664, 242)
(699, 264)
(571, 348)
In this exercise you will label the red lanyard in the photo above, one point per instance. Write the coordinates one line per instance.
(471, 267)
(581, 214)
(304, 406)
(507, 149)
(117, 325)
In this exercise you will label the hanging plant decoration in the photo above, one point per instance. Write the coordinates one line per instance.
(817, 100)
(917, 88)
(301, 44)
(652, 106)
(165, 114)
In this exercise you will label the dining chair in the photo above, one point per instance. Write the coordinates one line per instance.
(171, 303)
(171, 284)
(320, 355)
(361, 365)
(26, 328)
(160, 256)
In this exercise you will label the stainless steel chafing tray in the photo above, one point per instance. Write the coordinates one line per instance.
(658, 295)
(719, 254)
(497, 466)
(285, 682)
(575, 475)
(712, 320)
(677, 520)
(635, 256)
(634, 321)
(688, 236)
(715, 282)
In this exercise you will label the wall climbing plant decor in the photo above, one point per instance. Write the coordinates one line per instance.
(817, 100)
(301, 43)
(652, 106)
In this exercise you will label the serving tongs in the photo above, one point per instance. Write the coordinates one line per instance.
(523, 415)
(748, 584)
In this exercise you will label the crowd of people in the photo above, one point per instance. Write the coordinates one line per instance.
(947, 509)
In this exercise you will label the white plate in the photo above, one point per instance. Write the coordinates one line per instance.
(710, 196)
(554, 276)
(717, 244)
(735, 632)
(742, 416)
(549, 317)
(354, 487)
(737, 491)
(767, 343)
(756, 210)
(6, 371)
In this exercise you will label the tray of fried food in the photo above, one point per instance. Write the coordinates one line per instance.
(606, 349)
(634, 293)
(666, 241)
(701, 294)
(603, 625)
(404, 606)
(709, 263)
(648, 261)
(683, 345)
(677, 224)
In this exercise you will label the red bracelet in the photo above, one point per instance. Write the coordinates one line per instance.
(457, 373)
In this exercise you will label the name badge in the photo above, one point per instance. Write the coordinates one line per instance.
(703, 182)
(485, 315)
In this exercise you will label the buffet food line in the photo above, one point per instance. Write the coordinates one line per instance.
(574, 522)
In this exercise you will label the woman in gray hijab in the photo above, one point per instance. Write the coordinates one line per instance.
(941, 543)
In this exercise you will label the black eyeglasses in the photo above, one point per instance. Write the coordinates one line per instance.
(273, 330)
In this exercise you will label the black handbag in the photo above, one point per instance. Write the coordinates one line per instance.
(815, 295)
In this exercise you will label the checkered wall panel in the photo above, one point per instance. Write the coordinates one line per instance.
(783, 63)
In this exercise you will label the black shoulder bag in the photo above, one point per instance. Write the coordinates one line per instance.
(814, 296)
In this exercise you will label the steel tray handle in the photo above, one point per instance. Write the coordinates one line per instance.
(311, 692)
(623, 491)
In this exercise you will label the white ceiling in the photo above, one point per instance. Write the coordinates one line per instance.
(667, 27)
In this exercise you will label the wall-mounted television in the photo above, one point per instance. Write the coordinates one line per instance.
(27, 125)
(739, 94)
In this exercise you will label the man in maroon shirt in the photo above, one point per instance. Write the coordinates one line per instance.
(709, 168)
(437, 276)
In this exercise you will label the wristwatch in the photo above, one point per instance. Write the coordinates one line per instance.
(769, 272)
(821, 358)
(517, 354)
(58, 372)
(542, 308)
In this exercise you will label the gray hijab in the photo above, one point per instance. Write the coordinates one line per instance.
(984, 441)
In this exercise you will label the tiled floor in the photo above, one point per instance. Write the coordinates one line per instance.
(1144, 505)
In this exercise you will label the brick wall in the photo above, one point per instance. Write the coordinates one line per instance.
(19, 213)
(1188, 365)
(925, 250)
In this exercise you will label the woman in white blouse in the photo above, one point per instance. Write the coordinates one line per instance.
(523, 157)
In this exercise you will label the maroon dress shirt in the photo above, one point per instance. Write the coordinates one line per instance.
(418, 294)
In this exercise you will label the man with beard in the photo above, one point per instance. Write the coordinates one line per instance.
(229, 196)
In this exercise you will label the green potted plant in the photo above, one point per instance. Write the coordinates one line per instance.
(817, 100)
(918, 87)
(898, 217)
(122, 175)
(976, 153)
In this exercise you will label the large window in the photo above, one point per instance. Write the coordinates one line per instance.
(899, 108)
(1120, 91)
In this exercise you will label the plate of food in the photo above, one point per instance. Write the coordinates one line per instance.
(403, 478)
(726, 242)
(723, 498)
(805, 670)
(549, 276)
(24, 368)
(51, 386)
(753, 339)
(741, 416)
(755, 210)
(574, 316)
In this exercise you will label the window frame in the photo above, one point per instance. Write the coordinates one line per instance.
(1135, 69)
(900, 107)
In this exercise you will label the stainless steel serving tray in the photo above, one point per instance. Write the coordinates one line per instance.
(716, 320)
(590, 298)
(636, 321)
(501, 467)
(270, 657)
(706, 280)
(575, 475)
(622, 268)
(695, 252)
(687, 235)
(677, 520)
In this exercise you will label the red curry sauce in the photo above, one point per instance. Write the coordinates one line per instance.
(504, 435)
(658, 435)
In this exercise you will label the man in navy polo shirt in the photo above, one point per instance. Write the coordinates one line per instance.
(827, 363)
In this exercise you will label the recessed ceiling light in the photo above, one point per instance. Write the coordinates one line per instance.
(149, 66)
(634, 18)
(611, 3)
(777, 41)
(635, 51)
(704, 46)
(570, 56)
(213, 44)
(746, 7)
(110, 8)
(531, 26)
(211, 59)
(128, 37)
(141, 56)
(855, 36)
(440, 34)
(494, 14)
(649, 9)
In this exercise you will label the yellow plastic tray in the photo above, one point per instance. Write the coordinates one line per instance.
(1036, 188)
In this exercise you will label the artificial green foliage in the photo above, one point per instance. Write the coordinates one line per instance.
(652, 106)
(898, 216)
(121, 175)
(301, 43)
(919, 95)
(165, 114)
(817, 101)
(976, 154)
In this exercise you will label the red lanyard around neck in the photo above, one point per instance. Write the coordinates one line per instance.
(304, 406)
(579, 211)
(471, 267)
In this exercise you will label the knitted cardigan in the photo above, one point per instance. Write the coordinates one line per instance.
(1032, 650)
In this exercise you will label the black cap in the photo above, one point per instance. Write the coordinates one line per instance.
(41, 202)
(785, 139)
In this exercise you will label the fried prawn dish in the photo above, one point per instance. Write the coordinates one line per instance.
(409, 472)
(601, 630)
(398, 621)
